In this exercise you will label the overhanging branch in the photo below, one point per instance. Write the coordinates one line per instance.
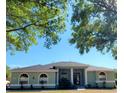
(11, 30)
(20, 28)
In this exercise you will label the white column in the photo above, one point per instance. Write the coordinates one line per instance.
(57, 77)
(72, 76)
(85, 77)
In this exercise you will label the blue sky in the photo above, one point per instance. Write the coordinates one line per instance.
(63, 51)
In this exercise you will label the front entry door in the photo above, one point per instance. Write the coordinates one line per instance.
(76, 78)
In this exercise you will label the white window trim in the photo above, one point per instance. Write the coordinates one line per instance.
(44, 85)
(13, 85)
(20, 75)
(100, 81)
(105, 76)
(108, 81)
(39, 77)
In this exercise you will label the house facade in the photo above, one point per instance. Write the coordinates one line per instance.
(63, 73)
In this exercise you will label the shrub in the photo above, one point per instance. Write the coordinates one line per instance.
(88, 86)
(104, 84)
(96, 85)
(31, 86)
(22, 86)
(64, 83)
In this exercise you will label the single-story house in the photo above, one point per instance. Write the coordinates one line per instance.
(63, 73)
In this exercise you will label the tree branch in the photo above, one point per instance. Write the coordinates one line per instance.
(105, 5)
(11, 30)
(40, 25)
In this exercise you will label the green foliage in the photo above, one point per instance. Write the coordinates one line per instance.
(8, 73)
(94, 24)
(29, 20)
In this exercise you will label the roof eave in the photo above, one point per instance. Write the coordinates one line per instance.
(102, 70)
(50, 70)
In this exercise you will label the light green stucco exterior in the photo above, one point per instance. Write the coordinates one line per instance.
(33, 77)
(92, 78)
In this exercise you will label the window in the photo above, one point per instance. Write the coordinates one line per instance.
(23, 79)
(43, 79)
(102, 76)
(64, 75)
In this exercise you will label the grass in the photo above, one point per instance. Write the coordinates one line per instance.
(68, 91)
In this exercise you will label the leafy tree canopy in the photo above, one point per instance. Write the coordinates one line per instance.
(28, 20)
(94, 24)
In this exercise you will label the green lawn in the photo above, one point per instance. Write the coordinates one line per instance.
(68, 91)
